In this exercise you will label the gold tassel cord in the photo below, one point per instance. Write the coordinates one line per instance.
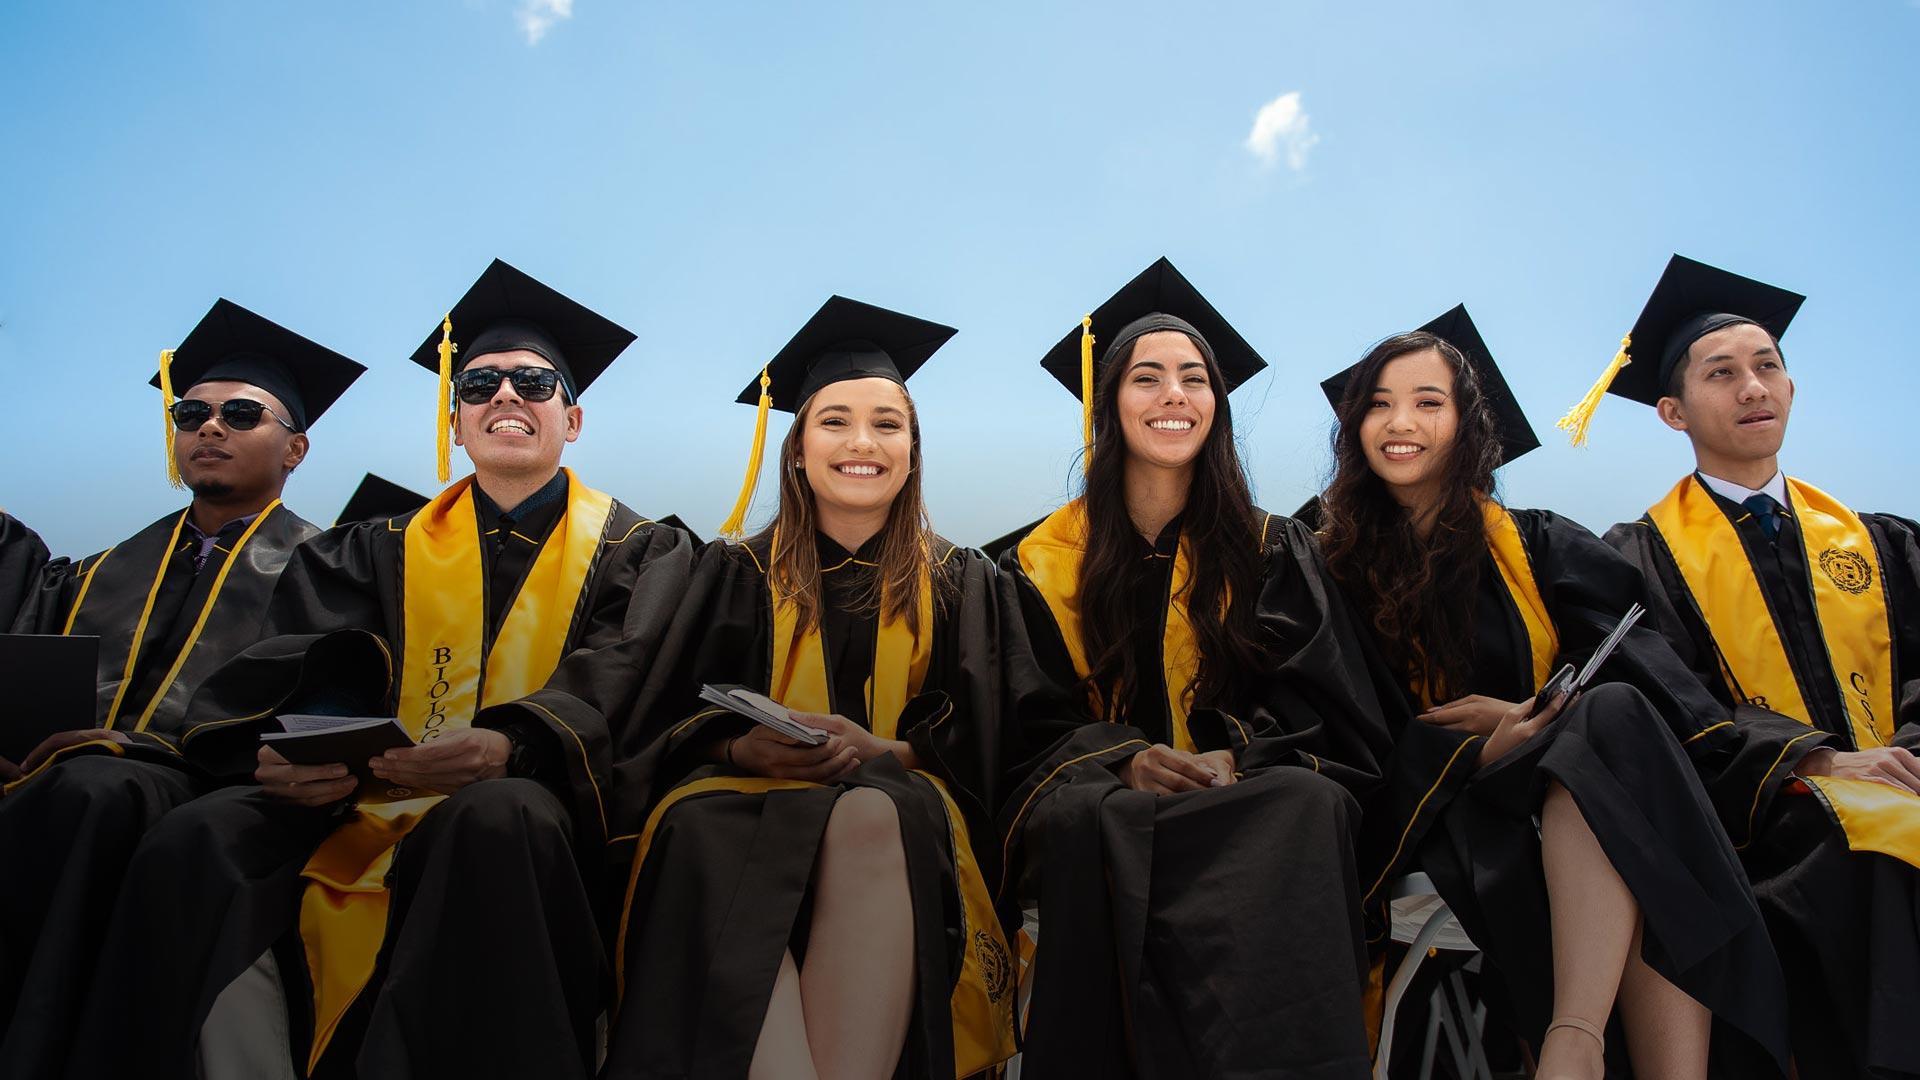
(443, 422)
(1577, 418)
(735, 526)
(166, 401)
(1086, 388)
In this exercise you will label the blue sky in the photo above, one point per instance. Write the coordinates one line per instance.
(708, 173)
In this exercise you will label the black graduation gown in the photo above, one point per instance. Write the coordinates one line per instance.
(21, 557)
(1211, 933)
(68, 831)
(725, 878)
(1846, 924)
(1618, 750)
(510, 942)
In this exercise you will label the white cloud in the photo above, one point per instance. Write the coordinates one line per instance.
(1281, 127)
(536, 17)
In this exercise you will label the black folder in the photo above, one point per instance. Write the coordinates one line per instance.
(50, 683)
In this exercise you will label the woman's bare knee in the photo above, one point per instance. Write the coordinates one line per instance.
(863, 820)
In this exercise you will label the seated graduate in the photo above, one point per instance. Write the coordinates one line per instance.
(170, 604)
(22, 554)
(1804, 617)
(1577, 846)
(1195, 720)
(489, 827)
(801, 911)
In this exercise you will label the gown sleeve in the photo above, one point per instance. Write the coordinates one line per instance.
(599, 698)
(1898, 539)
(22, 555)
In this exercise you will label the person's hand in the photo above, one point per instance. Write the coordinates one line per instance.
(1162, 770)
(765, 752)
(866, 745)
(302, 785)
(448, 763)
(1474, 714)
(1894, 766)
(60, 740)
(1514, 728)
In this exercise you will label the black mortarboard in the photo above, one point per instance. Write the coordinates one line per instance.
(505, 309)
(377, 499)
(847, 339)
(1000, 544)
(1456, 328)
(674, 521)
(1690, 301)
(1310, 511)
(233, 343)
(1159, 290)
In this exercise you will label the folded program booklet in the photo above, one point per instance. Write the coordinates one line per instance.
(762, 709)
(346, 740)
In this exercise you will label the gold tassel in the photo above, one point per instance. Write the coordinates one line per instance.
(735, 526)
(1086, 388)
(443, 462)
(1577, 418)
(166, 400)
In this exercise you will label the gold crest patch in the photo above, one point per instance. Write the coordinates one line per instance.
(996, 967)
(1847, 569)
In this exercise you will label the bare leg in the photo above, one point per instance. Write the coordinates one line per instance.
(1595, 921)
(858, 978)
(781, 1052)
(1667, 1031)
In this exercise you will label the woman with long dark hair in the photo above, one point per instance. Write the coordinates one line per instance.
(1577, 845)
(1194, 721)
(800, 911)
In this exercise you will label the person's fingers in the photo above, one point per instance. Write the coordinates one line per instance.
(1909, 766)
(1187, 766)
(269, 756)
(1888, 770)
(323, 794)
(1175, 781)
(445, 748)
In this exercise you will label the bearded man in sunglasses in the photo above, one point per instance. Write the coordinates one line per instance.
(423, 903)
(170, 604)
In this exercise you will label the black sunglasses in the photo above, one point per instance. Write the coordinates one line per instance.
(239, 414)
(477, 385)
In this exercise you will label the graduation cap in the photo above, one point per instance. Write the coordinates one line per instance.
(1000, 545)
(506, 310)
(232, 343)
(845, 339)
(1158, 298)
(377, 499)
(1310, 511)
(1456, 328)
(1691, 301)
(674, 521)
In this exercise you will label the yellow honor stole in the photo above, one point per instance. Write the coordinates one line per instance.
(447, 674)
(1051, 555)
(1516, 572)
(1850, 604)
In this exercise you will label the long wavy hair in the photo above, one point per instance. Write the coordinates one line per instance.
(1411, 589)
(906, 546)
(1225, 558)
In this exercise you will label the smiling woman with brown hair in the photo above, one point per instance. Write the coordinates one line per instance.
(821, 911)
(1193, 724)
(1576, 845)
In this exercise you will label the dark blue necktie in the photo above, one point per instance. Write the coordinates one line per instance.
(1766, 510)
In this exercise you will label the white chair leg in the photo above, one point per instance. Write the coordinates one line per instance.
(1402, 976)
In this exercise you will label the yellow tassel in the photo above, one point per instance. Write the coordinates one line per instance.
(1086, 388)
(736, 524)
(166, 400)
(1577, 418)
(443, 462)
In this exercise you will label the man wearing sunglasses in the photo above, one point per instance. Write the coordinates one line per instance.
(456, 899)
(169, 604)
